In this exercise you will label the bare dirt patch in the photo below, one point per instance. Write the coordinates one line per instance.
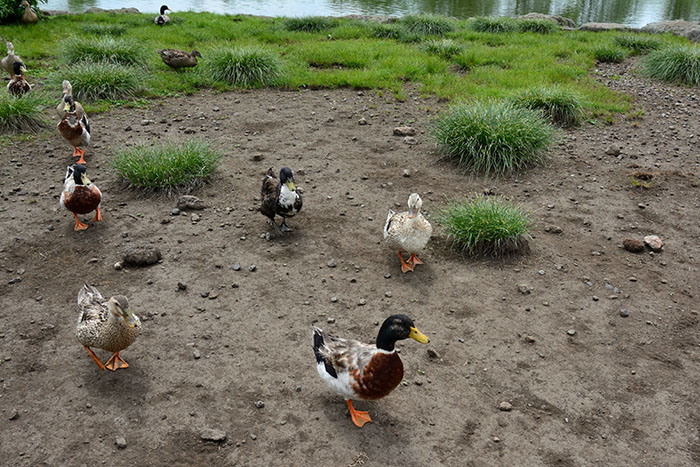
(619, 391)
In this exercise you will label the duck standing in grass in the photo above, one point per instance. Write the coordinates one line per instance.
(18, 86)
(106, 324)
(280, 197)
(408, 231)
(75, 129)
(28, 17)
(61, 108)
(162, 18)
(8, 61)
(79, 195)
(362, 371)
(179, 58)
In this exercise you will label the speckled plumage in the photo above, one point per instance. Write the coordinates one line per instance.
(98, 326)
(18, 86)
(179, 58)
(402, 233)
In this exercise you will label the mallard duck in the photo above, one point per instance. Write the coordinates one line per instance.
(179, 58)
(408, 231)
(29, 17)
(106, 324)
(18, 86)
(79, 195)
(8, 61)
(61, 107)
(75, 130)
(162, 18)
(363, 371)
(280, 197)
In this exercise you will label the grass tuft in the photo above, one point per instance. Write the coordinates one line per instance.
(427, 25)
(676, 64)
(445, 48)
(494, 24)
(104, 80)
(104, 29)
(21, 115)
(308, 24)
(492, 137)
(245, 67)
(610, 54)
(536, 25)
(168, 168)
(486, 225)
(386, 31)
(637, 44)
(561, 106)
(103, 49)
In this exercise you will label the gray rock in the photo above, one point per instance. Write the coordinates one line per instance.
(410, 140)
(190, 202)
(141, 255)
(196, 354)
(175, 212)
(120, 442)
(236, 267)
(624, 313)
(654, 242)
(524, 289)
(14, 415)
(598, 27)
(505, 406)
(212, 434)
(181, 286)
(362, 302)
(613, 151)
(362, 121)
(404, 131)
(566, 22)
(571, 332)
(259, 404)
(677, 27)
(331, 263)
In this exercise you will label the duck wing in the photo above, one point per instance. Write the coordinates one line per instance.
(340, 355)
(269, 192)
(91, 304)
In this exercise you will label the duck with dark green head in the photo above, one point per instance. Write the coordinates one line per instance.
(18, 86)
(363, 371)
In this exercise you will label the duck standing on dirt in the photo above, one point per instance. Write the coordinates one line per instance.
(280, 197)
(162, 18)
(79, 195)
(8, 61)
(107, 325)
(408, 231)
(61, 108)
(362, 371)
(28, 17)
(75, 129)
(179, 58)
(18, 86)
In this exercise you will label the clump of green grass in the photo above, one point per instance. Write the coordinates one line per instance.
(486, 225)
(102, 80)
(675, 63)
(249, 67)
(492, 137)
(169, 168)
(493, 24)
(610, 54)
(386, 31)
(638, 44)
(539, 26)
(445, 48)
(561, 106)
(21, 114)
(308, 24)
(427, 25)
(104, 29)
(103, 49)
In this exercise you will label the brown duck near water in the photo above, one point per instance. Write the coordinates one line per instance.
(18, 86)
(79, 195)
(8, 61)
(29, 17)
(362, 371)
(179, 58)
(280, 197)
(75, 130)
(61, 107)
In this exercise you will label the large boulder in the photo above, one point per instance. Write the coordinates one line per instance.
(679, 27)
(598, 27)
(565, 22)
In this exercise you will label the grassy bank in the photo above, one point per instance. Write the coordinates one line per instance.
(332, 53)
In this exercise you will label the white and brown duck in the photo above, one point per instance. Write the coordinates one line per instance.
(80, 195)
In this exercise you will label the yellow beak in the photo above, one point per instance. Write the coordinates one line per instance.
(291, 186)
(23, 70)
(415, 334)
(85, 179)
(131, 320)
(66, 107)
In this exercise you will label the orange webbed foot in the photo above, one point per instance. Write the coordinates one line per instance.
(79, 225)
(405, 267)
(115, 362)
(95, 358)
(359, 418)
(98, 215)
(414, 260)
(81, 153)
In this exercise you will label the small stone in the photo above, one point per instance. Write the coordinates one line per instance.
(541, 272)
(259, 404)
(234, 285)
(118, 266)
(524, 289)
(253, 437)
(196, 354)
(331, 263)
(387, 294)
(387, 275)
(236, 267)
(505, 406)
(433, 354)
(195, 218)
(406, 173)
(252, 268)
(613, 151)
(175, 212)
(624, 313)
(181, 286)
(211, 434)
(654, 242)
(362, 121)
(571, 332)
(334, 299)
(330, 320)
(362, 302)
(190, 202)
(141, 255)
(404, 131)
(16, 280)
(14, 415)
(120, 442)
(633, 245)
(496, 439)
(257, 158)
(530, 339)
(410, 140)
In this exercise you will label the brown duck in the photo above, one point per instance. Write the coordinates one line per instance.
(79, 195)
(75, 129)
(280, 197)
(29, 17)
(179, 58)
(18, 86)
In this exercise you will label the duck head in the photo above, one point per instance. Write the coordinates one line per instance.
(163, 9)
(287, 178)
(414, 205)
(195, 53)
(119, 307)
(67, 89)
(19, 68)
(68, 103)
(396, 328)
(79, 174)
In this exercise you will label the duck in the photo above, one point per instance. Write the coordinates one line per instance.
(75, 130)
(106, 324)
(29, 17)
(8, 61)
(61, 107)
(280, 197)
(408, 231)
(80, 195)
(364, 371)
(179, 58)
(162, 18)
(18, 86)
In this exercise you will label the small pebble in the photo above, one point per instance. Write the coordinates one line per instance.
(624, 313)
(505, 406)
(252, 268)
(120, 442)
(196, 354)
(259, 404)
(571, 332)
(236, 267)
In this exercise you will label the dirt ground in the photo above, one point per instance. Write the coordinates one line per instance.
(620, 391)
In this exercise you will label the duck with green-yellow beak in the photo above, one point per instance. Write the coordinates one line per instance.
(280, 197)
(74, 128)
(80, 195)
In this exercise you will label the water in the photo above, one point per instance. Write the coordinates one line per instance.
(631, 12)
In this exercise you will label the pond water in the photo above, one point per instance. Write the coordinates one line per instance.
(631, 12)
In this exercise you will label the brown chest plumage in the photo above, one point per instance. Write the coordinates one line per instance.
(18, 87)
(83, 200)
(71, 133)
(381, 375)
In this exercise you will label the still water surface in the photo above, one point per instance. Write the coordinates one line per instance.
(630, 12)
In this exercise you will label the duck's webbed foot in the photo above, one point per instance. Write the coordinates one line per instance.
(285, 228)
